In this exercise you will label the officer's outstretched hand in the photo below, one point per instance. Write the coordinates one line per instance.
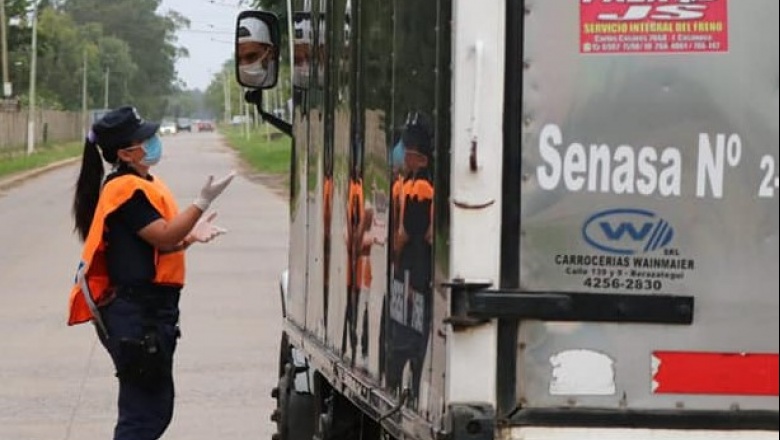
(204, 230)
(211, 190)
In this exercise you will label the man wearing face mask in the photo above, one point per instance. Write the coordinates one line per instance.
(256, 53)
(132, 265)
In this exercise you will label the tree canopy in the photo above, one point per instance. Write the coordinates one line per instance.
(128, 49)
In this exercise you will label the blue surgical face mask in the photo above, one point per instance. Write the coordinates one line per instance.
(152, 151)
(397, 156)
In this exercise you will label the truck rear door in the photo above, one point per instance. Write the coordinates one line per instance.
(649, 149)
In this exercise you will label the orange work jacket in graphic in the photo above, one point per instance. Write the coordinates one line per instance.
(169, 266)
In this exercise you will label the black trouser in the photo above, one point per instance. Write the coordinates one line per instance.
(142, 332)
(349, 334)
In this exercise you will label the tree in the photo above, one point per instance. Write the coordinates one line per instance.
(18, 36)
(61, 50)
(214, 99)
(151, 39)
(278, 7)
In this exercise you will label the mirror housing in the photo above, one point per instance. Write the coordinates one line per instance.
(257, 43)
(255, 96)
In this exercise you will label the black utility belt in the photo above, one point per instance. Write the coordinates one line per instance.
(147, 293)
(146, 289)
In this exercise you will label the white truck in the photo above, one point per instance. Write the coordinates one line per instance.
(530, 220)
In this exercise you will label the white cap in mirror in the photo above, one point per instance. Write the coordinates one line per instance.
(253, 29)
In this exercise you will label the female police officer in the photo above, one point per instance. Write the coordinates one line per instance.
(132, 265)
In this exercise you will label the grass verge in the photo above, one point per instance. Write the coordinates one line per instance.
(17, 161)
(267, 154)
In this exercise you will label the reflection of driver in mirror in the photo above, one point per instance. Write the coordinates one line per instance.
(256, 53)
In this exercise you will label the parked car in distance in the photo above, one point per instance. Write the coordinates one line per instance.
(238, 119)
(167, 127)
(205, 125)
(183, 124)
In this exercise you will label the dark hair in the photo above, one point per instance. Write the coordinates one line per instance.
(87, 188)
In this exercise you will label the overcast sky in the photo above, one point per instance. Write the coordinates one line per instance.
(208, 39)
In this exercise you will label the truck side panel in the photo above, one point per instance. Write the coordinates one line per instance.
(298, 254)
(364, 73)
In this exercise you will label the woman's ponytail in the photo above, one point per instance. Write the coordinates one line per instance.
(88, 186)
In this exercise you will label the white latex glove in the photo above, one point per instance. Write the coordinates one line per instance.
(204, 230)
(211, 190)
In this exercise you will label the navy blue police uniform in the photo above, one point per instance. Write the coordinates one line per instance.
(142, 322)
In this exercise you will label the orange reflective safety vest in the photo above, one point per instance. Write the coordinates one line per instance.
(356, 213)
(418, 190)
(356, 204)
(327, 195)
(417, 193)
(169, 266)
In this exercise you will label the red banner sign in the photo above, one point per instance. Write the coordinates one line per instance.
(746, 374)
(650, 26)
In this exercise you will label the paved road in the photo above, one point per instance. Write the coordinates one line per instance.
(56, 382)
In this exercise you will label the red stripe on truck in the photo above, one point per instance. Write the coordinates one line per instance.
(746, 374)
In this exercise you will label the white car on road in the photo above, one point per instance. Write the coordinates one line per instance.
(167, 127)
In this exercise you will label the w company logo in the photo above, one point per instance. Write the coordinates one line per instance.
(627, 231)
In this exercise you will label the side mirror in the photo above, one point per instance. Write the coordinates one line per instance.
(257, 49)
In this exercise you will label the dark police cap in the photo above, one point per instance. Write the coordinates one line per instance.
(121, 128)
(417, 137)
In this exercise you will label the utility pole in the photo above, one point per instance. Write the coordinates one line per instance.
(229, 95)
(84, 118)
(246, 121)
(290, 39)
(33, 63)
(279, 103)
(105, 88)
(7, 91)
(226, 88)
(267, 125)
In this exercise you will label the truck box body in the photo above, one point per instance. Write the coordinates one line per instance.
(537, 219)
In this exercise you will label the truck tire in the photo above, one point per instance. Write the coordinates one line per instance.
(335, 420)
(295, 412)
(322, 415)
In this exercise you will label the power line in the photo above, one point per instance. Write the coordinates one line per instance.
(204, 31)
(236, 5)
